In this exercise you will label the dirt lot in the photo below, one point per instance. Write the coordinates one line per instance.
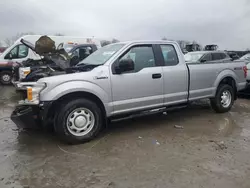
(193, 147)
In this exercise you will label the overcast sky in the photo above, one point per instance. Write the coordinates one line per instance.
(224, 22)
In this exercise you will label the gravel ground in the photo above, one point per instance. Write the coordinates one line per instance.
(190, 148)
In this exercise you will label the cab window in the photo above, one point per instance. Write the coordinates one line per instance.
(18, 52)
(207, 57)
(169, 55)
(142, 57)
(216, 56)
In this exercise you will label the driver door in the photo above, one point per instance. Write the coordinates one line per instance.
(141, 88)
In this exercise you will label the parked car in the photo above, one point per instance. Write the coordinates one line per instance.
(233, 55)
(246, 57)
(5, 72)
(207, 56)
(18, 52)
(211, 47)
(2, 49)
(52, 63)
(124, 80)
(192, 47)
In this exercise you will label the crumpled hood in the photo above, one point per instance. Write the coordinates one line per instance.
(28, 44)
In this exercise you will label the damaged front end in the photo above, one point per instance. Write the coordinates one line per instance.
(31, 112)
(52, 61)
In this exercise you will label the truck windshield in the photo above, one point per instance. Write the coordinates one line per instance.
(193, 57)
(102, 55)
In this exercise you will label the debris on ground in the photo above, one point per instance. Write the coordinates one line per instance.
(221, 145)
(178, 127)
(139, 137)
(157, 143)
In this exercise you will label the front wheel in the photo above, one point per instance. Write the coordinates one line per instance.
(80, 120)
(224, 99)
(5, 77)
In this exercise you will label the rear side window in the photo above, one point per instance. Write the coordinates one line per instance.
(216, 56)
(169, 55)
(207, 57)
(223, 55)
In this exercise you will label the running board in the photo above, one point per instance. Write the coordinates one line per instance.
(148, 112)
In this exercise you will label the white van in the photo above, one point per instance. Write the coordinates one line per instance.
(19, 52)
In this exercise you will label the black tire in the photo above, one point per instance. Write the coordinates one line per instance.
(60, 124)
(4, 75)
(216, 103)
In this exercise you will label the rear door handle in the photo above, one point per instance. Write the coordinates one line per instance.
(156, 76)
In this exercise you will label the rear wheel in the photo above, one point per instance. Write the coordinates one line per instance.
(5, 77)
(224, 99)
(78, 121)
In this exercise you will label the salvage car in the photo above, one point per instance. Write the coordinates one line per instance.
(246, 58)
(233, 55)
(18, 52)
(52, 63)
(207, 56)
(124, 80)
(5, 72)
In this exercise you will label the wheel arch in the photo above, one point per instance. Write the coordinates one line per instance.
(229, 80)
(51, 113)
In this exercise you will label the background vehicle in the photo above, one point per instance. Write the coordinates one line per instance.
(193, 47)
(211, 47)
(246, 57)
(18, 52)
(123, 80)
(207, 56)
(2, 49)
(233, 55)
(51, 63)
(5, 72)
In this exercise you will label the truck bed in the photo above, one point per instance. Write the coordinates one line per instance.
(205, 77)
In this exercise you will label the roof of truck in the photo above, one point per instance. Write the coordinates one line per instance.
(147, 41)
(205, 52)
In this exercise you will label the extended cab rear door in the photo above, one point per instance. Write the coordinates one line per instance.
(175, 74)
(141, 88)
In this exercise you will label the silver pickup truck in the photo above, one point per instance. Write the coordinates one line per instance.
(125, 79)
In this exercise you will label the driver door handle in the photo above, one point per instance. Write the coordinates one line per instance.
(156, 76)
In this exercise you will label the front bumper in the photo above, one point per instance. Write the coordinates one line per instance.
(31, 116)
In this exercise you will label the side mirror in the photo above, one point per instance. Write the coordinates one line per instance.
(203, 60)
(125, 65)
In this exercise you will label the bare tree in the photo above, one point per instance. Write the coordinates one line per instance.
(11, 40)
